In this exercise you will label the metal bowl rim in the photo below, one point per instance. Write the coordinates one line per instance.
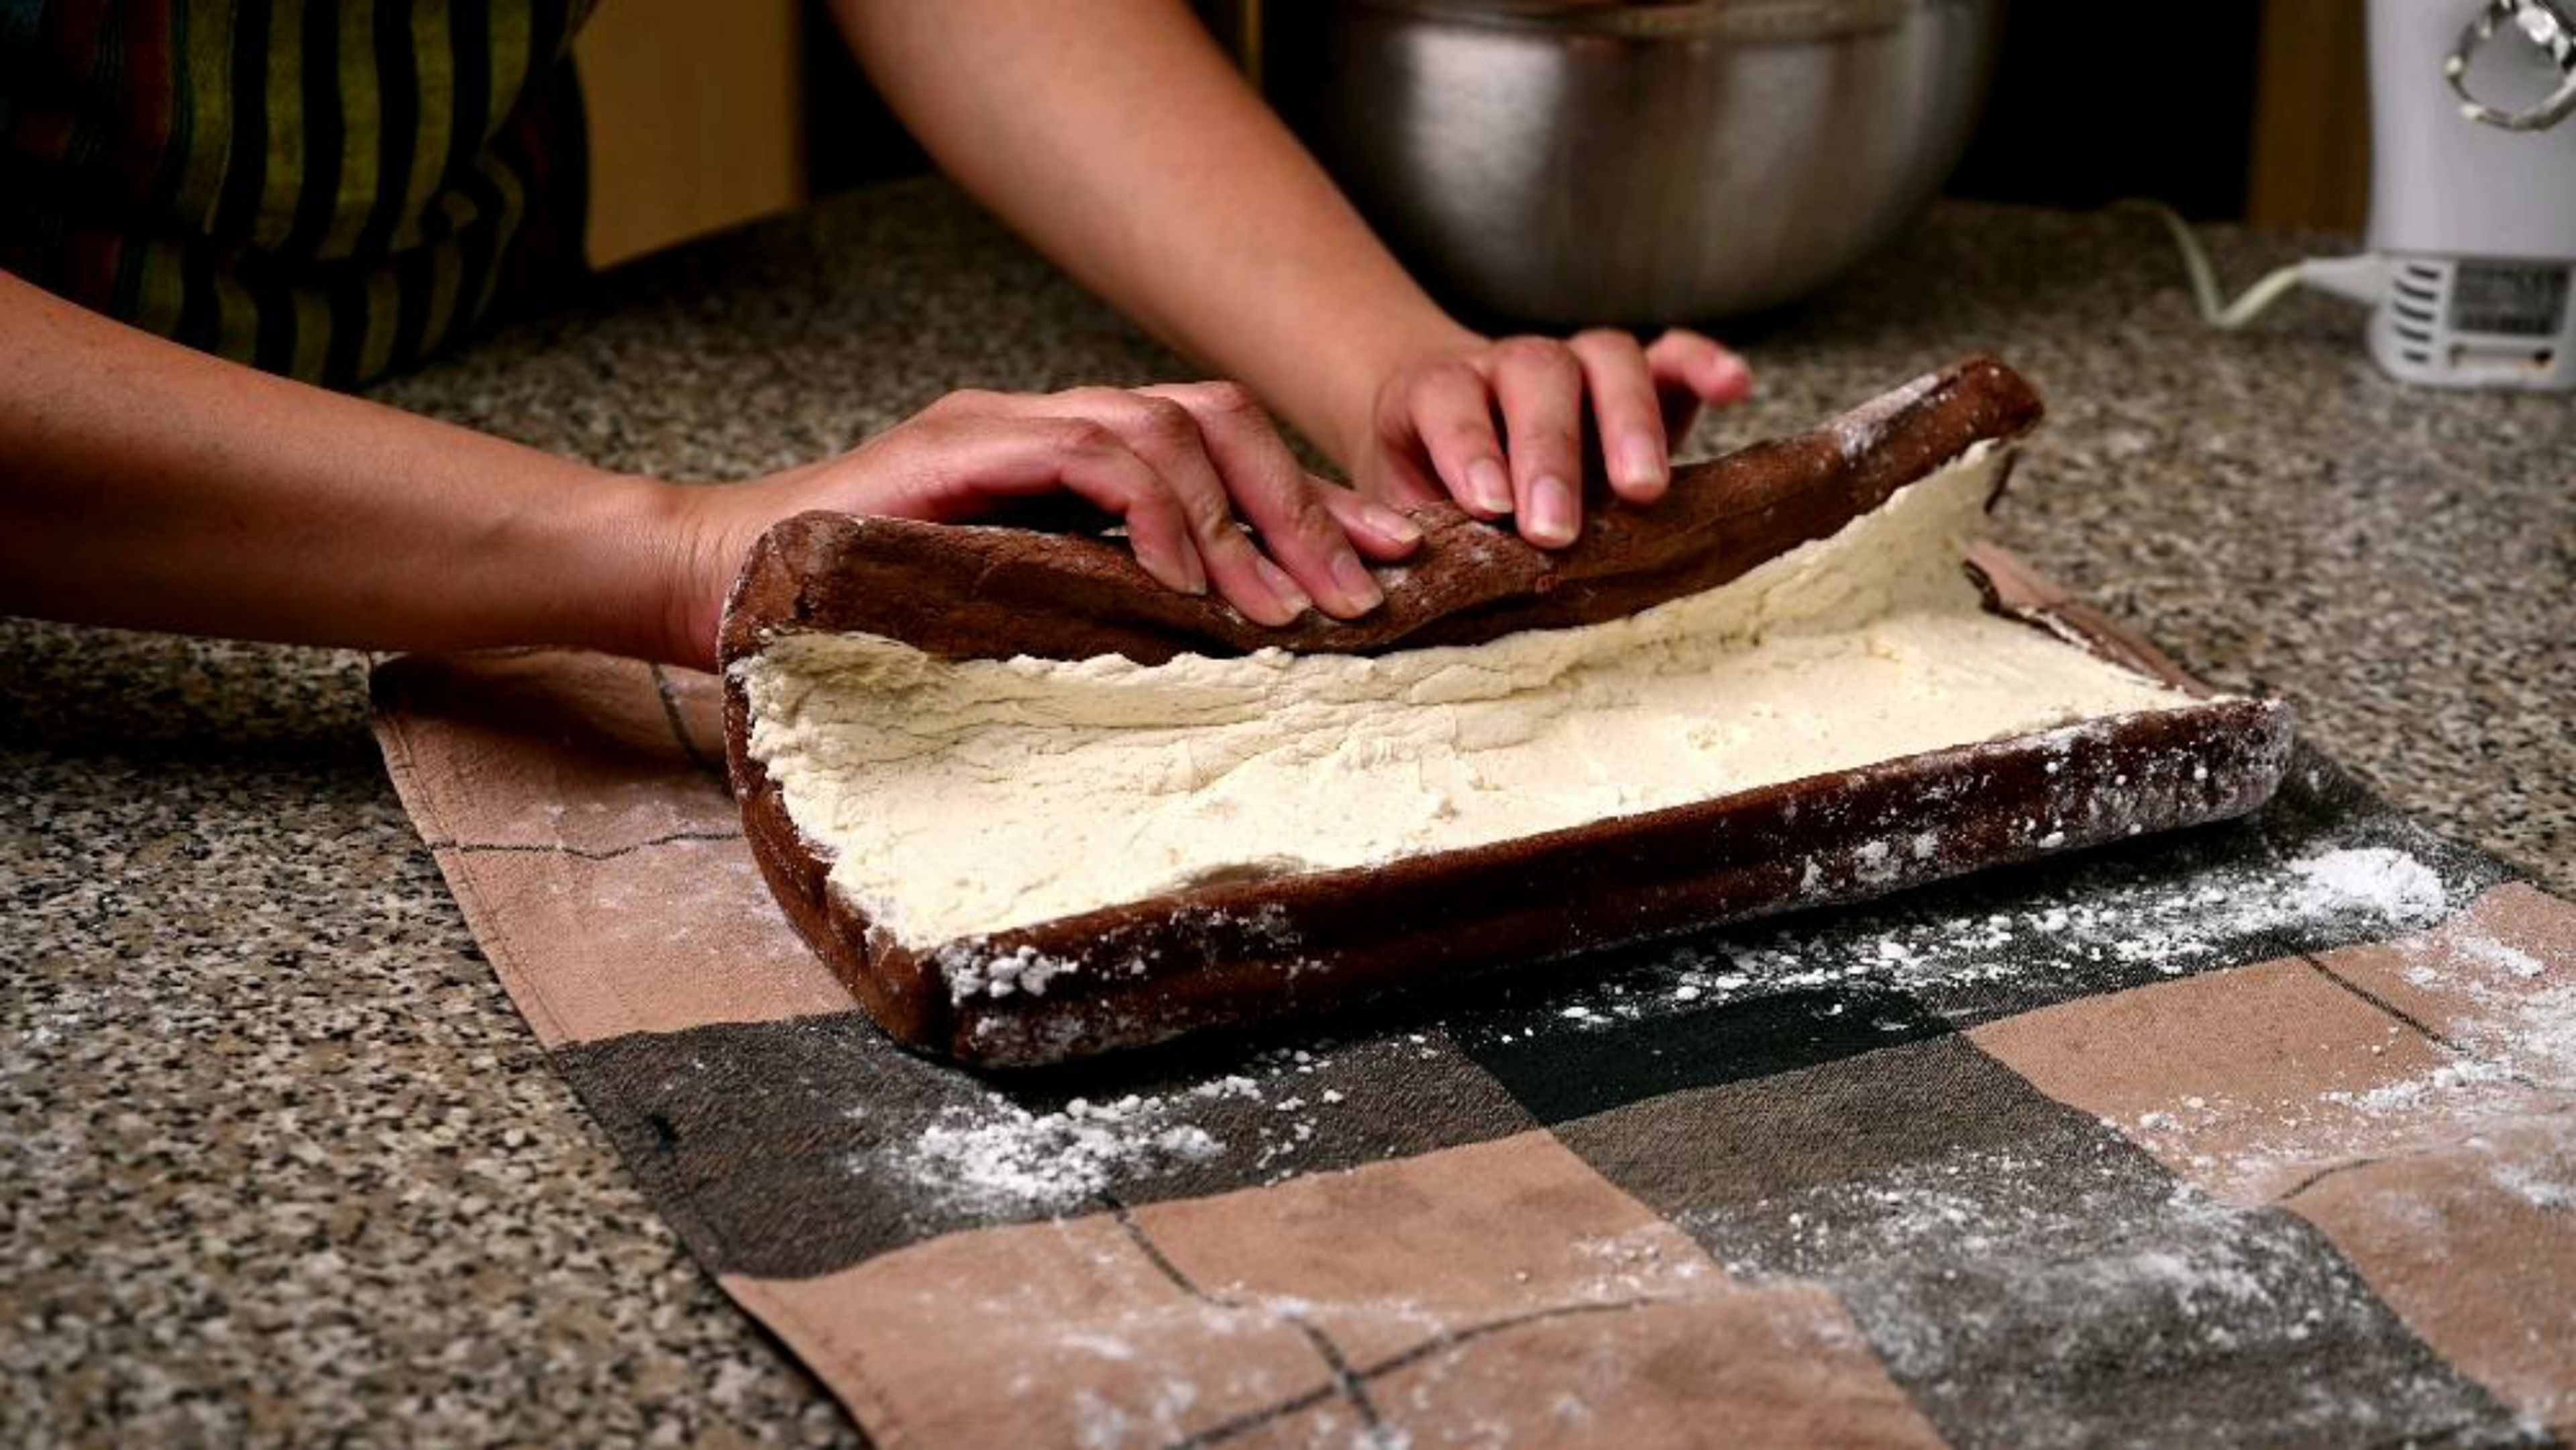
(1669, 19)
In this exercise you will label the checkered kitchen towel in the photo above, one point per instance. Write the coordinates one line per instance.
(2261, 1133)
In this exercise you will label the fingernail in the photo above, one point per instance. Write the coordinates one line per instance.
(1360, 593)
(1286, 588)
(1389, 525)
(1642, 464)
(1488, 487)
(1193, 574)
(1551, 518)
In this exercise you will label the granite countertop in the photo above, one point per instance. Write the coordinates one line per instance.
(282, 1160)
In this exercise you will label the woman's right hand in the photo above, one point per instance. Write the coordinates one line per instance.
(1184, 466)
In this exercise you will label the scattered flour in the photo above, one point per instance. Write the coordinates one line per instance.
(2168, 924)
(2486, 951)
(2495, 1098)
(2414, 1092)
(2525, 1182)
(2079, 1270)
(1859, 430)
(1006, 1158)
(2389, 884)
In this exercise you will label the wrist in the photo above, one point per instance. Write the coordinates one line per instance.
(644, 561)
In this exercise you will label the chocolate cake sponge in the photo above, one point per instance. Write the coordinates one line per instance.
(1216, 953)
(979, 593)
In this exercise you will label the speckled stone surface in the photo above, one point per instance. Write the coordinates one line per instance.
(282, 1163)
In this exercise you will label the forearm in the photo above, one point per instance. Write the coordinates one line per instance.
(145, 485)
(1115, 135)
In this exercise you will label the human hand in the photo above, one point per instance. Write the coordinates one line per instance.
(1178, 464)
(1433, 428)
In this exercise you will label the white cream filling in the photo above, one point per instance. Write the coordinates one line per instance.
(964, 797)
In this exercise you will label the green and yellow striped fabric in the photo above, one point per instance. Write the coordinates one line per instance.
(327, 190)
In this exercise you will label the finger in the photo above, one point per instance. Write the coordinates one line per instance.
(1168, 435)
(1212, 482)
(1286, 504)
(1397, 477)
(1690, 370)
(1449, 407)
(1165, 438)
(1001, 455)
(1395, 468)
(1540, 387)
(1625, 414)
(1380, 532)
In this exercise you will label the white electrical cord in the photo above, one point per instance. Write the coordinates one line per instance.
(2362, 277)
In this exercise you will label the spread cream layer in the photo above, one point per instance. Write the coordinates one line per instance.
(966, 797)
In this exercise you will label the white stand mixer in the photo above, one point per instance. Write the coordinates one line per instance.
(2471, 267)
(2473, 193)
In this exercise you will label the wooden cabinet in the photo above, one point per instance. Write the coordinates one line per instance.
(697, 119)
(2311, 165)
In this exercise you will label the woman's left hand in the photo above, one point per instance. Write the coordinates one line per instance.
(1503, 425)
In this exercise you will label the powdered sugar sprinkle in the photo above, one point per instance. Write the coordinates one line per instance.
(2389, 884)
(1008, 1159)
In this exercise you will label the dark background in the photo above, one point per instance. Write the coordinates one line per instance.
(2095, 101)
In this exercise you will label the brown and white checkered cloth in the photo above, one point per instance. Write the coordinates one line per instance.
(2261, 1133)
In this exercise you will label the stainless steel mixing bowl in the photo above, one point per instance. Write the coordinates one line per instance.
(1580, 161)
